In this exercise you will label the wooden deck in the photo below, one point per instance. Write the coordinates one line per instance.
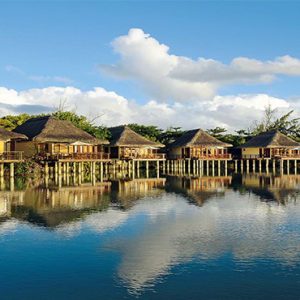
(203, 157)
(150, 157)
(11, 157)
(78, 157)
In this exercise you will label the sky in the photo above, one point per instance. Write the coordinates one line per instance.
(169, 63)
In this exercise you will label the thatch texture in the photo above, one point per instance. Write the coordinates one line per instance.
(49, 129)
(198, 138)
(271, 139)
(6, 135)
(123, 136)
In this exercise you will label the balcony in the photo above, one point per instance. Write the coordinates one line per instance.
(272, 156)
(144, 156)
(11, 156)
(203, 157)
(77, 156)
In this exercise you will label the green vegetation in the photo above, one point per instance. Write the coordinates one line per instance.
(285, 123)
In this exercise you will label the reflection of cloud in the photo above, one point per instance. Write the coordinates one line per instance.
(107, 220)
(8, 226)
(249, 229)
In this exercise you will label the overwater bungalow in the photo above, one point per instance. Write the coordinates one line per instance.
(126, 144)
(269, 145)
(53, 139)
(199, 145)
(8, 141)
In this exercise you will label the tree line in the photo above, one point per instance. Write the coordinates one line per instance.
(286, 123)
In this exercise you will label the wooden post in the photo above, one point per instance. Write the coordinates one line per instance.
(207, 167)
(133, 169)
(235, 166)
(147, 168)
(267, 166)
(157, 168)
(288, 166)
(12, 184)
(213, 167)
(247, 165)
(59, 168)
(242, 165)
(253, 165)
(46, 169)
(225, 167)
(12, 169)
(1, 170)
(274, 165)
(259, 166)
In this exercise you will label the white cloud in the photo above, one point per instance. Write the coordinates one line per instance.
(170, 77)
(232, 112)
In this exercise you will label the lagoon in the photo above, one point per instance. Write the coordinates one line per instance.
(175, 237)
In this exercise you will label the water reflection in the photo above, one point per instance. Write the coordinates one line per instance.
(176, 220)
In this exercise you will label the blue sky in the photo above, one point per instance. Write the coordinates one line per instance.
(63, 44)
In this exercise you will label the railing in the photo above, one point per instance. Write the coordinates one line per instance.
(253, 156)
(283, 155)
(291, 155)
(144, 156)
(204, 157)
(11, 156)
(78, 156)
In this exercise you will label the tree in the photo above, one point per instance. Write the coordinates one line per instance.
(150, 132)
(83, 123)
(285, 123)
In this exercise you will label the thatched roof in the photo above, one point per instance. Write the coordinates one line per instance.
(270, 139)
(50, 129)
(198, 138)
(6, 135)
(125, 137)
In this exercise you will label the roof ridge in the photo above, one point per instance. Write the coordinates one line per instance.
(198, 131)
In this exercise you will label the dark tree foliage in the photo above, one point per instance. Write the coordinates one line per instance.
(10, 122)
(83, 123)
(286, 124)
(170, 135)
(150, 132)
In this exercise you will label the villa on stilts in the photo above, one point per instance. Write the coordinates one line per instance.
(61, 143)
(271, 147)
(8, 153)
(195, 151)
(129, 149)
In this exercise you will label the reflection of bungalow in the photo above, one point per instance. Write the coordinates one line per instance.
(199, 189)
(273, 188)
(126, 192)
(57, 139)
(271, 144)
(197, 144)
(50, 208)
(8, 141)
(127, 144)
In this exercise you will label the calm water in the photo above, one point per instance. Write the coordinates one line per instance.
(230, 237)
